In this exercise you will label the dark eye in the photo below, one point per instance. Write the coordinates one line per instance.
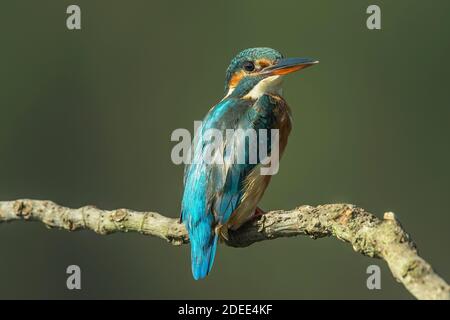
(249, 66)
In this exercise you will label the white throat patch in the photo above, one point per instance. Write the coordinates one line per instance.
(270, 84)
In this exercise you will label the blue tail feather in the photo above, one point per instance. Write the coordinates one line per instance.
(202, 256)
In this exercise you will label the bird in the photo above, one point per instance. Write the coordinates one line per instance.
(222, 196)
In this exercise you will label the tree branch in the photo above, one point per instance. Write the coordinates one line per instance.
(373, 237)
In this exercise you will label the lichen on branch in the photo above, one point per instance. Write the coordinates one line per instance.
(379, 238)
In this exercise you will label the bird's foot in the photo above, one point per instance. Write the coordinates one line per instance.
(258, 213)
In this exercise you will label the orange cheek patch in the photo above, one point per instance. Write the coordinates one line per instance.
(236, 78)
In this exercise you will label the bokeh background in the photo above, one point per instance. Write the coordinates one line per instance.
(86, 118)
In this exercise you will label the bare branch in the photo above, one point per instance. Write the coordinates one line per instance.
(369, 235)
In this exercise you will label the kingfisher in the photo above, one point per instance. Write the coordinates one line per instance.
(222, 196)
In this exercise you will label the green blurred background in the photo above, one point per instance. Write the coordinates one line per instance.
(86, 118)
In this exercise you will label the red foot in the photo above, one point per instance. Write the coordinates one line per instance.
(258, 213)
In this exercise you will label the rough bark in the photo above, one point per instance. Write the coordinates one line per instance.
(369, 235)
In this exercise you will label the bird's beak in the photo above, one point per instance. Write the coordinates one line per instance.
(285, 66)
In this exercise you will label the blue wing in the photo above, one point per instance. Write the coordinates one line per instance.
(213, 191)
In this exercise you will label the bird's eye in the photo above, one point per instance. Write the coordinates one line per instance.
(249, 66)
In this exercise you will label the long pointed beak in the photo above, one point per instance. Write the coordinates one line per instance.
(285, 66)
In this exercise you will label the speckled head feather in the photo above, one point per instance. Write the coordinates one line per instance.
(251, 54)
